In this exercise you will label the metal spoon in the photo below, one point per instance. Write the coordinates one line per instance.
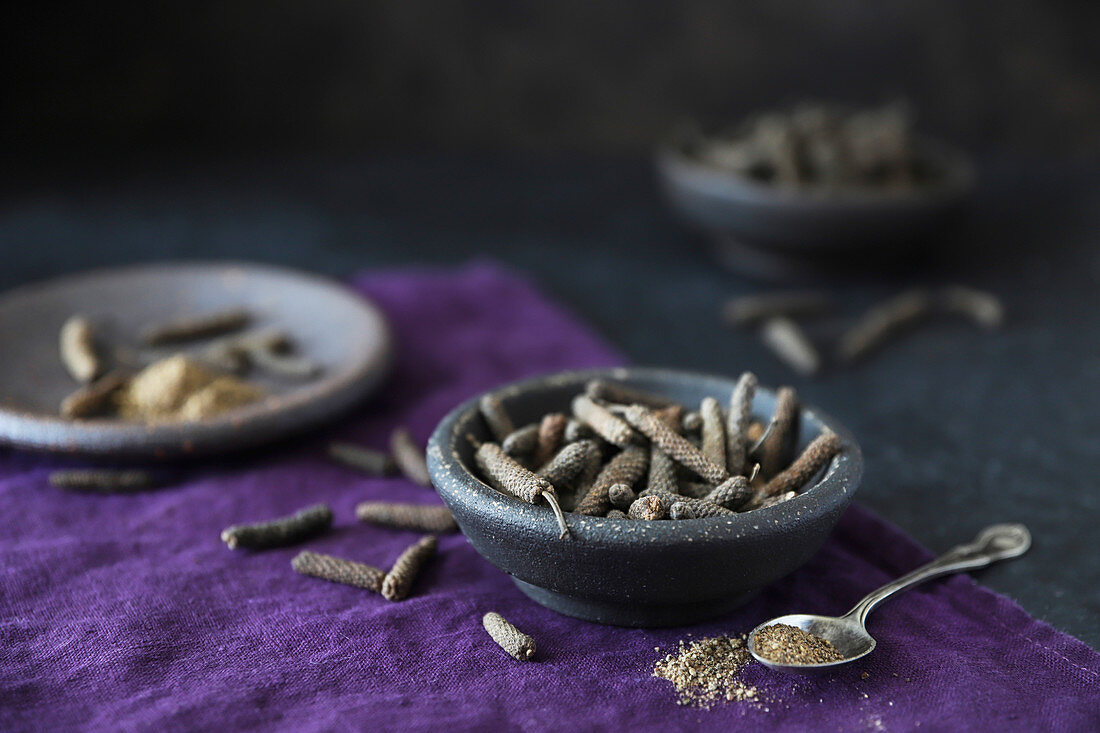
(848, 633)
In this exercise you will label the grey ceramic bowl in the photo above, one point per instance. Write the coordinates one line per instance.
(771, 231)
(634, 573)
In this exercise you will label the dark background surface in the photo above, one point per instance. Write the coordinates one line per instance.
(960, 428)
(123, 77)
(341, 136)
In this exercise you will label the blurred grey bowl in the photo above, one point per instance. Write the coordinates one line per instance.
(771, 230)
(635, 573)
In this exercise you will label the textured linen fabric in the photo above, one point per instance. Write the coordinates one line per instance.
(128, 613)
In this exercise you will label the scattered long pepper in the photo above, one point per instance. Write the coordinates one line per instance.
(409, 457)
(882, 322)
(102, 480)
(308, 522)
(419, 517)
(518, 644)
(789, 342)
(399, 580)
(339, 570)
(370, 462)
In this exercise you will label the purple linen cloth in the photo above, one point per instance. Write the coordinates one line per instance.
(128, 613)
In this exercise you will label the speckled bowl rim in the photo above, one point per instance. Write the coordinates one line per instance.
(450, 475)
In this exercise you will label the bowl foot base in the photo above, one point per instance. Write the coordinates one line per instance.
(774, 264)
(633, 614)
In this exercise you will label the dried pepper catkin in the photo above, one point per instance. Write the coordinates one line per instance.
(674, 444)
(265, 339)
(738, 421)
(662, 472)
(699, 509)
(419, 517)
(508, 637)
(693, 422)
(550, 434)
(882, 322)
(695, 489)
(667, 496)
(789, 342)
(509, 476)
(606, 424)
(714, 431)
(409, 457)
(817, 455)
(984, 309)
(77, 345)
(193, 327)
(778, 445)
(301, 525)
(95, 398)
(496, 417)
(399, 580)
(102, 480)
(649, 508)
(339, 570)
(588, 475)
(621, 496)
(576, 430)
(662, 469)
(733, 493)
(370, 462)
(600, 389)
(570, 462)
(521, 441)
(286, 366)
(625, 468)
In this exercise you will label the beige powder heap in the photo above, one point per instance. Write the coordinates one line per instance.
(178, 388)
(706, 671)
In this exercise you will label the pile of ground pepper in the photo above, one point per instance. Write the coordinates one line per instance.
(706, 671)
(785, 644)
(179, 388)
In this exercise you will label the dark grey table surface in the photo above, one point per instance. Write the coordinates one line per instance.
(960, 428)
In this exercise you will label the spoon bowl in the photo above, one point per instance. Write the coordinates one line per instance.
(848, 633)
(843, 632)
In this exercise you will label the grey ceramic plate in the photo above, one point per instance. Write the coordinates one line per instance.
(345, 334)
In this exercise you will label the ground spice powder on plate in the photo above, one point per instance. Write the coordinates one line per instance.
(706, 671)
(178, 388)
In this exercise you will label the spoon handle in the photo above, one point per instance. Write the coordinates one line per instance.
(998, 542)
